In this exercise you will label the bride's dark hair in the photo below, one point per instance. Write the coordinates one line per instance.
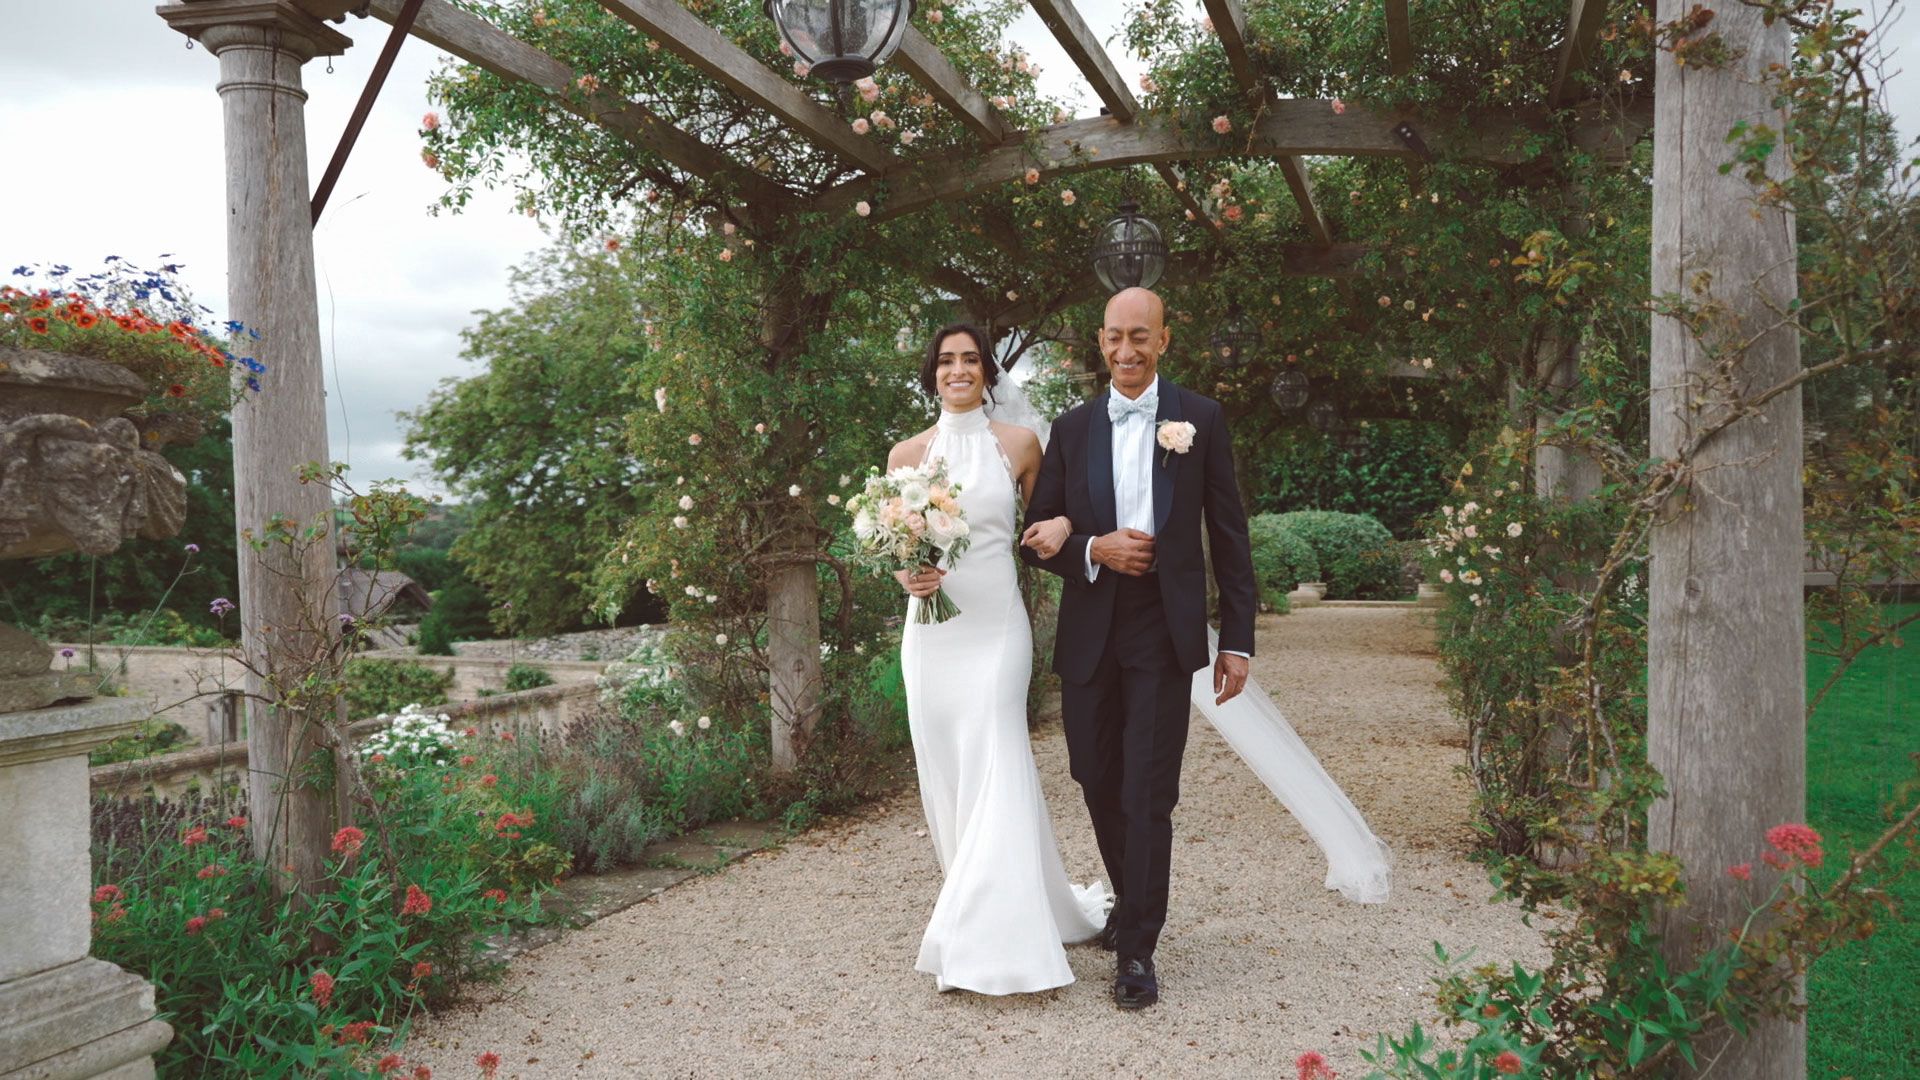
(989, 367)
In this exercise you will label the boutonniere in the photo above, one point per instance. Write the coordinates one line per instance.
(1176, 437)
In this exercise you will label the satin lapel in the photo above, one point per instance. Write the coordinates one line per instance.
(1100, 465)
(1165, 468)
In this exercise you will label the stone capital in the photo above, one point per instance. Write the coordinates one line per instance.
(286, 26)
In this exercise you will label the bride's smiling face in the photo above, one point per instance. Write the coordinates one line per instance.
(958, 373)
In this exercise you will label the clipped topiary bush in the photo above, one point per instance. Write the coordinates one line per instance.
(527, 677)
(1281, 559)
(1356, 553)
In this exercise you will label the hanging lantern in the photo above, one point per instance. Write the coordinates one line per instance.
(1353, 439)
(1324, 417)
(1290, 391)
(842, 41)
(1235, 341)
(1129, 251)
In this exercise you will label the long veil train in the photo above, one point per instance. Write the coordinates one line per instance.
(1357, 860)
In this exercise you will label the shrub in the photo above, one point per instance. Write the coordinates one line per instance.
(1281, 559)
(256, 985)
(459, 613)
(1356, 554)
(527, 677)
(155, 736)
(388, 686)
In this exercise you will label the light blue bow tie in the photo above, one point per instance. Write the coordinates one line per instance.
(1144, 406)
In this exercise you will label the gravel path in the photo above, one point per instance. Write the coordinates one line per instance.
(801, 959)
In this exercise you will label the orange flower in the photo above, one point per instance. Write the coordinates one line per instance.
(176, 390)
(38, 324)
(86, 320)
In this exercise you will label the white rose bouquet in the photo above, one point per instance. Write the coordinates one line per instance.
(909, 518)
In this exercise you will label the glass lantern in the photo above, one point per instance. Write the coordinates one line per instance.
(1290, 391)
(1130, 251)
(841, 40)
(1235, 342)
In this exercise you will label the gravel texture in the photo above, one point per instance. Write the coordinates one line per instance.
(800, 959)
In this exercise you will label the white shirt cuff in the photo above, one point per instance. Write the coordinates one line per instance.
(1237, 652)
(1092, 570)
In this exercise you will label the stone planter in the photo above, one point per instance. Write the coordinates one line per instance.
(74, 474)
(63, 1014)
(1307, 594)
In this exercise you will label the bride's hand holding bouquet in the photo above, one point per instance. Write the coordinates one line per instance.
(907, 522)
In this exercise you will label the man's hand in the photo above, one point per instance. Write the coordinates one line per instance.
(1127, 551)
(1047, 537)
(1229, 677)
(922, 583)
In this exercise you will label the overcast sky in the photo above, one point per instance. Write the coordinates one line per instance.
(114, 129)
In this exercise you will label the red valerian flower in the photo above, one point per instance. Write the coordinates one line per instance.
(196, 924)
(489, 780)
(195, 835)
(355, 1032)
(421, 1072)
(176, 390)
(1742, 871)
(211, 870)
(216, 913)
(347, 841)
(322, 984)
(1508, 1063)
(236, 823)
(107, 892)
(1313, 1066)
(466, 759)
(1798, 842)
(489, 1062)
(498, 896)
(389, 1064)
(421, 970)
(417, 902)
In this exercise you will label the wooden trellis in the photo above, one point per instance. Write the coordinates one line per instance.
(262, 45)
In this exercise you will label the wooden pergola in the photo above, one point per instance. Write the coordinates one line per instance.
(1705, 715)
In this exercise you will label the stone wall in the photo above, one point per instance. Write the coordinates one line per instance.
(545, 711)
(170, 678)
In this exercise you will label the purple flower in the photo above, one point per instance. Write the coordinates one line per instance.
(193, 549)
(221, 606)
(66, 654)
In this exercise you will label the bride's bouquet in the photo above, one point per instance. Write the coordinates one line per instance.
(909, 518)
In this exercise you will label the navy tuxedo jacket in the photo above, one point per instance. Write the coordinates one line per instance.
(1189, 490)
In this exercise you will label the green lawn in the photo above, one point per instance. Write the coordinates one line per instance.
(1865, 997)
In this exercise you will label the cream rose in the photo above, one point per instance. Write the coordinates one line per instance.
(1176, 435)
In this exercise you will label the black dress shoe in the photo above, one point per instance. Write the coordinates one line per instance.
(1105, 939)
(1136, 986)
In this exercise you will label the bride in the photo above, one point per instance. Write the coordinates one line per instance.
(1006, 907)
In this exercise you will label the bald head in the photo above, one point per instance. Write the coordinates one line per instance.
(1133, 338)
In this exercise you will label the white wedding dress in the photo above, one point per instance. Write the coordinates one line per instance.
(1006, 906)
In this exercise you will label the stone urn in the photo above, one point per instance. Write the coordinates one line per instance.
(1307, 594)
(74, 476)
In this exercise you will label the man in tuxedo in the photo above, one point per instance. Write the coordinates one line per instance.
(1137, 470)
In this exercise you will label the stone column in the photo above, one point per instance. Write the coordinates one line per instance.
(63, 1014)
(286, 595)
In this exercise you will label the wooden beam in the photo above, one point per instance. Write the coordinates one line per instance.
(1183, 191)
(930, 67)
(1230, 26)
(1295, 126)
(485, 46)
(1302, 187)
(1189, 267)
(1399, 37)
(707, 50)
(1584, 18)
(1074, 36)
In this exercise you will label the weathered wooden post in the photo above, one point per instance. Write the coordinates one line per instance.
(286, 593)
(793, 586)
(1726, 683)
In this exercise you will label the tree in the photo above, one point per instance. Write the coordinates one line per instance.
(536, 442)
